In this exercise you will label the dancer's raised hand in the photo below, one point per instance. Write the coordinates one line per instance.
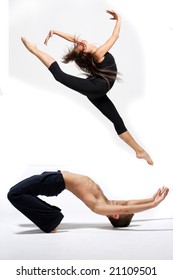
(114, 15)
(50, 34)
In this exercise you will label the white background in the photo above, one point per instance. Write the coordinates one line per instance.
(45, 126)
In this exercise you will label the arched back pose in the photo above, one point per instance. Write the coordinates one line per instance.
(24, 196)
(101, 70)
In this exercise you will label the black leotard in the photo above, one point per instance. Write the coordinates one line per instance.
(95, 88)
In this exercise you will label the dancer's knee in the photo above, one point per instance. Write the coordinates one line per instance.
(120, 128)
(13, 195)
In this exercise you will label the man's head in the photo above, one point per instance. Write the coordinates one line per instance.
(122, 220)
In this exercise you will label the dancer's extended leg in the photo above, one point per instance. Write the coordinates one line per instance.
(84, 86)
(44, 57)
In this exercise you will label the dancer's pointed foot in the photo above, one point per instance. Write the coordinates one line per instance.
(143, 155)
(30, 46)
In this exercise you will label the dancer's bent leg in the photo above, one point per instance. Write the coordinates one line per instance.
(23, 196)
(105, 105)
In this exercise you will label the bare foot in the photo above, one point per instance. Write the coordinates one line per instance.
(143, 155)
(31, 47)
(54, 230)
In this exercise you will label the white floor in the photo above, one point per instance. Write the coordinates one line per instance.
(149, 239)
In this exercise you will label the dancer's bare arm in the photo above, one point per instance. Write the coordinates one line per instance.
(103, 49)
(111, 210)
(138, 201)
(68, 37)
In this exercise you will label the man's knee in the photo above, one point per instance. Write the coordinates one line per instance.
(13, 195)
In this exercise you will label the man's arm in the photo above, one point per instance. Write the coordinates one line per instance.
(111, 210)
(137, 201)
(103, 49)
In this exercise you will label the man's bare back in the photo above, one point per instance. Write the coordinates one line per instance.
(85, 189)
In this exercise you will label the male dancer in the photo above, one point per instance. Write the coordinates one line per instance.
(24, 196)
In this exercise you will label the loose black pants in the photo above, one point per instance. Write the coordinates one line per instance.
(23, 196)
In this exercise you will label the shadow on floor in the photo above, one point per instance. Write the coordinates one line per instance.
(65, 227)
(37, 231)
(148, 220)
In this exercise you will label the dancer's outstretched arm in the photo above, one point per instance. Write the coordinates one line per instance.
(68, 37)
(111, 210)
(138, 201)
(103, 49)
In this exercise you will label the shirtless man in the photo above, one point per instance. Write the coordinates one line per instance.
(24, 196)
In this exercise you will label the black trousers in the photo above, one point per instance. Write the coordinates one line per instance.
(95, 88)
(23, 196)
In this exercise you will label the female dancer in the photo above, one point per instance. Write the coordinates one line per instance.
(100, 68)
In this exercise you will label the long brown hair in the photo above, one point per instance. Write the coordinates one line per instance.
(86, 63)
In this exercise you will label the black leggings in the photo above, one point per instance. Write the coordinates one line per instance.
(95, 89)
(23, 196)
